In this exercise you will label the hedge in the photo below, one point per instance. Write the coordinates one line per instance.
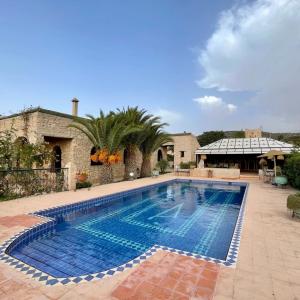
(292, 169)
(293, 202)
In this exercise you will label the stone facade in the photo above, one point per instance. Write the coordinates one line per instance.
(253, 133)
(43, 125)
(184, 147)
(222, 173)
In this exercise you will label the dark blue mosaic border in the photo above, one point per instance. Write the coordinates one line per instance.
(48, 222)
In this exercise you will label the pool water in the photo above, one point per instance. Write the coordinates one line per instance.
(197, 217)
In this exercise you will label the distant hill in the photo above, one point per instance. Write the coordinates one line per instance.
(211, 136)
(288, 137)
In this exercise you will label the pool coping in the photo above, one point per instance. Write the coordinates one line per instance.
(47, 223)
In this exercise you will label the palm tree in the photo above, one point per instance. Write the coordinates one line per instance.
(138, 118)
(107, 133)
(154, 138)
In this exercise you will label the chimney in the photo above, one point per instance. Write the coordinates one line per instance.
(75, 107)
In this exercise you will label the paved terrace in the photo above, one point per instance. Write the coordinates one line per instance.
(268, 264)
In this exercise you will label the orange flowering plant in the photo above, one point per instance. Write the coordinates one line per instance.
(103, 156)
(107, 133)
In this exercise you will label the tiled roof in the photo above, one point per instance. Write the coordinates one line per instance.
(245, 146)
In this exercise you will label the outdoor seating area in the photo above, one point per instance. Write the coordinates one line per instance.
(274, 176)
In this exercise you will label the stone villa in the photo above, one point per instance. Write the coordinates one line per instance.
(73, 149)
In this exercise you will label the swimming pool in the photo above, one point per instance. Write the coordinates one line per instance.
(197, 217)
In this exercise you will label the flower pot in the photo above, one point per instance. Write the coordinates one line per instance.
(82, 177)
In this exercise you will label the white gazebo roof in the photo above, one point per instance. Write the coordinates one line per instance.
(245, 146)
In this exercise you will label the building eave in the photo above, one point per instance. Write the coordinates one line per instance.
(41, 110)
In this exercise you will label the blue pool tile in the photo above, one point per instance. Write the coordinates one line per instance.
(186, 216)
(65, 281)
(89, 278)
(77, 280)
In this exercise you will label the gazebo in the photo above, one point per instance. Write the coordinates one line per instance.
(239, 153)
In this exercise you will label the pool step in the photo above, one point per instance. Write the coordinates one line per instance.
(39, 265)
(40, 257)
(73, 254)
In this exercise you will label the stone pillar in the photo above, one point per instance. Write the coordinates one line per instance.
(71, 176)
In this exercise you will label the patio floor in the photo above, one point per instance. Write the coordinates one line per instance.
(268, 264)
(170, 276)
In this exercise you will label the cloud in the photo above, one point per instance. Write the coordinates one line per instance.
(231, 107)
(168, 116)
(256, 48)
(213, 103)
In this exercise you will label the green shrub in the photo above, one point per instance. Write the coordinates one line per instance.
(162, 165)
(184, 165)
(18, 153)
(170, 157)
(82, 185)
(293, 202)
(292, 169)
(192, 164)
(187, 165)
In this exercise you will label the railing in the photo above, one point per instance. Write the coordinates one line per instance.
(18, 183)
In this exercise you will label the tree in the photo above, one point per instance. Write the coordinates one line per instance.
(292, 169)
(295, 140)
(136, 118)
(107, 133)
(7, 149)
(154, 138)
(280, 137)
(16, 153)
(209, 137)
(239, 134)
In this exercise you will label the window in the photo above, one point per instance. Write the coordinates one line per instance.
(181, 153)
(95, 163)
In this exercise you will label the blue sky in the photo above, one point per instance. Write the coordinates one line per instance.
(112, 54)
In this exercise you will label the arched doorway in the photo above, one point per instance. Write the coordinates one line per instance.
(159, 155)
(57, 157)
(125, 156)
(95, 163)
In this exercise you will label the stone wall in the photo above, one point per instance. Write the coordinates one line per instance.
(25, 125)
(187, 143)
(253, 133)
(79, 149)
(222, 173)
(75, 146)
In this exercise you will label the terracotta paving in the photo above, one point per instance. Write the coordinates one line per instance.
(170, 276)
(19, 220)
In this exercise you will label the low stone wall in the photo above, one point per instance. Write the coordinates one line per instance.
(222, 173)
(96, 173)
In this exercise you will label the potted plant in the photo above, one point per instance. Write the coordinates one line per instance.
(81, 176)
(293, 203)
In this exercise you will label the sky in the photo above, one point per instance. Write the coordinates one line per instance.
(201, 65)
